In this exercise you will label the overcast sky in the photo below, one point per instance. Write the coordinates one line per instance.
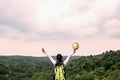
(28, 25)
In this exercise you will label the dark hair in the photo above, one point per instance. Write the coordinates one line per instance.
(59, 60)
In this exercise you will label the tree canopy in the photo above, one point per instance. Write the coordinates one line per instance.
(105, 66)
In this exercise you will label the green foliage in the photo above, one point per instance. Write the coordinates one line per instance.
(98, 67)
(114, 75)
(105, 66)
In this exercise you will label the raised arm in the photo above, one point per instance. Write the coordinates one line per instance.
(68, 58)
(50, 57)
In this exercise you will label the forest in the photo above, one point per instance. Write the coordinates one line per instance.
(104, 66)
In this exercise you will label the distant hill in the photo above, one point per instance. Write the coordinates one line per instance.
(30, 58)
(105, 66)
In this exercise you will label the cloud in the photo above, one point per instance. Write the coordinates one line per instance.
(57, 18)
(106, 9)
(11, 33)
(112, 28)
(12, 14)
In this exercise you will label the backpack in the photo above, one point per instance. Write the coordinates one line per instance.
(59, 71)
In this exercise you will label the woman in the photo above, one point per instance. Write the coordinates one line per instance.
(58, 57)
(59, 61)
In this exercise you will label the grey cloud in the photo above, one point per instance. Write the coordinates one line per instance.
(12, 17)
(15, 23)
(116, 35)
(59, 35)
(56, 35)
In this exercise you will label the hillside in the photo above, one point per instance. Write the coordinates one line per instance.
(105, 66)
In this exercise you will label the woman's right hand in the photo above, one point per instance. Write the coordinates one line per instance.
(43, 51)
(74, 51)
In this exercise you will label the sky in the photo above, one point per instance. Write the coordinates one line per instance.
(26, 26)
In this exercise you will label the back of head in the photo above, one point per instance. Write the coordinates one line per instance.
(59, 60)
(59, 57)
